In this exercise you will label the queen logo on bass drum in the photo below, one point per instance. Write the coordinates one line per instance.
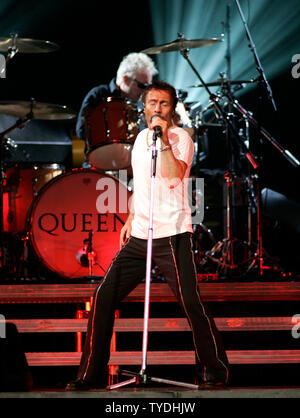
(51, 223)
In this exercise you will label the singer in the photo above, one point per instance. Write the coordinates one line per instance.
(171, 250)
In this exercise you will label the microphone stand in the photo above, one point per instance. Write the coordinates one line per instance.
(87, 259)
(90, 253)
(262, 78)
(142, 377)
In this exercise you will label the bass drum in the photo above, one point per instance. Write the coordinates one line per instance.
(77, 217)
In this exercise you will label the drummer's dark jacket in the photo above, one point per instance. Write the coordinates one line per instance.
(92, 99)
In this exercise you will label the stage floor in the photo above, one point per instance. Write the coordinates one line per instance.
(162, 392)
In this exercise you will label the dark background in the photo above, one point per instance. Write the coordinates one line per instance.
(93, 37)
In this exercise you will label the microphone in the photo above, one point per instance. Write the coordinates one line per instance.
(157, 129)
(157, 132)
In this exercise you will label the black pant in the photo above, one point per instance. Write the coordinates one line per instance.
(174, 257)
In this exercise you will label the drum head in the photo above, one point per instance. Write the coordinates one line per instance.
(70, 210)
(116, 156)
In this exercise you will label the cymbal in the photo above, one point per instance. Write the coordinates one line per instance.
(181, 43)
(27, 46)
(221, 81)
(46, 111)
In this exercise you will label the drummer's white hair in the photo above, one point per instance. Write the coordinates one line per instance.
(133, 63)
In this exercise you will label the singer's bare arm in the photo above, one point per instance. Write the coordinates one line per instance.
(126, 230)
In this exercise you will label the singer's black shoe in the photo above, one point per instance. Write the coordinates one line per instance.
(210, 385)
(211, 379)
(78, 385)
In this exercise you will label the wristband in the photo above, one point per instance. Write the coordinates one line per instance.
(165, 148)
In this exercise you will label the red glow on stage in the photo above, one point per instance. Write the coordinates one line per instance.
(235, 322)
(172, 323)
(5, 212)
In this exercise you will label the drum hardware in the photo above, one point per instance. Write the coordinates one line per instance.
(22, 268)
(228, 263)
(226, 81)
(8, 146)
(14, 44)
(257, 256)
(181, 44)
(26, 111)
(36, 110)
(258, 260)
(20, 123)
(262, 77)
(203, 238)
(87, 257)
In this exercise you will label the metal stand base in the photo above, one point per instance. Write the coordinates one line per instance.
(231, 256)
(144, 379)
(235, 258)
(258, 263)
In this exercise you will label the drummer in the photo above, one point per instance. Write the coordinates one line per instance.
(135, 71)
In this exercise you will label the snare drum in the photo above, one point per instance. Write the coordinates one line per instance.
(111, 129)
(21, 186)
(71, 210)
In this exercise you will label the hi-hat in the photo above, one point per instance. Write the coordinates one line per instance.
(221, 81)
(181, 44)
(26, 45)
(46, 111)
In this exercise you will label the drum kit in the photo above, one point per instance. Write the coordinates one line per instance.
(55, 214)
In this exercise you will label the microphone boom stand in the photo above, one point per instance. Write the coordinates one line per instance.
(142, 377)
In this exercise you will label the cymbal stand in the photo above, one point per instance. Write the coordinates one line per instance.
(258, 259)
(263, 83)
(228, 243)
(142, 377)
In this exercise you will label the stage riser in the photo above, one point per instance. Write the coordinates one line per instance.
(218, 293)
(134, 358)
(157, 324)
(160, 292)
